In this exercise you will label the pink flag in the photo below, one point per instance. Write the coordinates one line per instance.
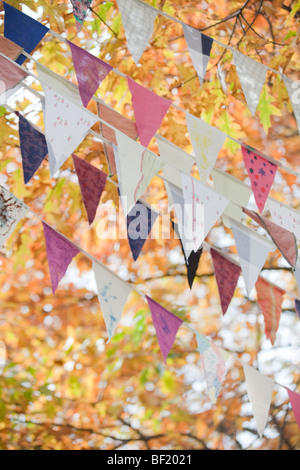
(166, 325)
(60, 253)
(90, 72)
(149, 110)
(92, 182)
(261, 173)
(295, 402)
(227, 275)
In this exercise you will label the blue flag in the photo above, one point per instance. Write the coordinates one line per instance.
(22, 30)
(139, 224)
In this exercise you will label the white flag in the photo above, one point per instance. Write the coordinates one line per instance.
(285, 216)
(252, 75)
(112, 294)
(259, 388)
(253, 250)
(207, 142)
(138, 21)
(293, 90)
(12, 210)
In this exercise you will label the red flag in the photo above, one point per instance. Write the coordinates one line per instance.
(270, 299)
(227, 275)
(295, 402)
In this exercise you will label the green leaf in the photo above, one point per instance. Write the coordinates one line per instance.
(266, 109)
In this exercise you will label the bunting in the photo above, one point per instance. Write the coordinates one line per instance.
(140, 221)
(291, 86)
(199, 46)
(149, 111)
(166, 325)
(261, 173)
(295, 402)
(12, 210)
(9, 48)
(92, 182)
(285, 216)
(138, 21)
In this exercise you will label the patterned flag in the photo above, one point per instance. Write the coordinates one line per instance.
(138, 21)
(139, 221)
(33, 148)
(80, 10)
(166, 325)
(9, 48)
(12, 210)
(253, 250)
(60, 253)
(149, 111)
(90, 72)
(285, 216)
(252, 75)
(92, 182)
(295, 402)
(291, 86)
(261, 173)
(112, 293)
(227, 275)
(207, 142)
(270, 299)
(199, 46)
(22, 30)
(213, 361)
(260, 389)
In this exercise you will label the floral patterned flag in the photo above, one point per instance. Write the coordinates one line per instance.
(227, 275)
(80, 10)
(12, 210)
(199, 46)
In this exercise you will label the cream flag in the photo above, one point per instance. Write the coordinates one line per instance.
(293, 90)
(207, 142)
(259, 388)
(284, 216)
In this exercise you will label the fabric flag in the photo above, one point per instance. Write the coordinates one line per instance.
(285, 240)
(60, 253)
(252, 75)
(227, 274)
(80, 10)
(285, 216)
(90, 72)
(140, 221)
(202, 209)
(213, 361)
(253, 250)
(233, 189)
(269, 298)
(295, 402)
(12, 210)
(199, 46)
(92, 182)
(297, 307)
(33, 148)
(22, 30)
(136, 167)
(112, 293)
(9, 48)
(178, 203)
(166, 325)
(149, 110)
(11, 76)
(292, 86)
(207, 142)
(192, 264)
(260, 389)
(261, 173)
(63, 86)
(138, 22)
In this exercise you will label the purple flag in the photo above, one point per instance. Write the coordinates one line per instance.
(139, 224)
(60, 253)
(92, 182)
(166, 325)
(90, 72)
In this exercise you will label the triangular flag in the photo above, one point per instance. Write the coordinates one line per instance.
(60, 253)
(10, 77)
(253, 250)
(80, 10)
(297, 307)
(139, 221)
(9, 48)
(33, 148)
(207, 142)
(112, 293)
(192, 264)
(22, 30)
(260, 389)
(12, 210)
(149, 110)
(166, 325)
(252, 75)
(199, 46)
(138, 22)
(295, 402)
(292, 86)
(285, 216)
(202, 209)
(92, 182)
(261, 173)
(285, 240)
(178, 206)
(90, 72)
(269, 298)
(213, 361)
(135, 168)
(227, 275)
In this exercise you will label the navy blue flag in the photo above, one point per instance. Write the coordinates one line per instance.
(139, 224)
(22, 30)
(33, 148)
